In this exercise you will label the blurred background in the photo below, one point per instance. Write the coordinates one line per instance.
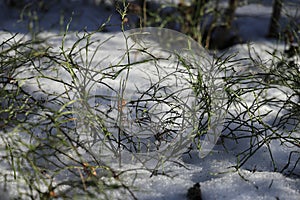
(217, 24)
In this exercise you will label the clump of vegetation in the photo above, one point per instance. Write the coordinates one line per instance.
(266, 101)
(47, 156)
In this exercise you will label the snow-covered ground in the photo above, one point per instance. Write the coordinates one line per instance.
(216, 172)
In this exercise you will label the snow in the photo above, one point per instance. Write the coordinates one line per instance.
(214, 170)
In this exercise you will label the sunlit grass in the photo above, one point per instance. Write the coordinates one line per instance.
(48, 147)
